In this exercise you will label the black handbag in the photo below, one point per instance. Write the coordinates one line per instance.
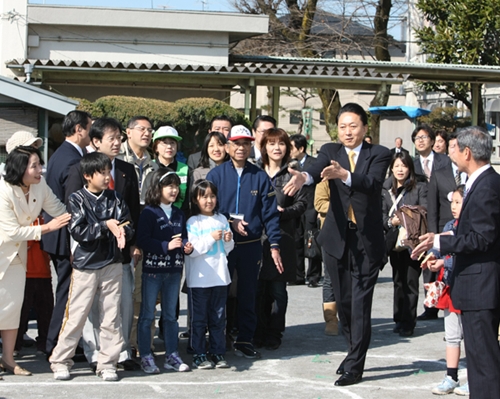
(391, 237)
(311, 248)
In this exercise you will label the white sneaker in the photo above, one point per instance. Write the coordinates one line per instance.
(148, 365)
(447, 386)
(108, 375)
(174, 362)
(462, 390)
(61, 374)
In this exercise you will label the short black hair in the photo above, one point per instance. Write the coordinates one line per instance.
(72, 120)
(100, 126)
(17, 163)
(427, 129)
(161, 178)
(299, 140)
(263, 118)
(354, 109)
(220, 118)
(133, 121)
(199, 189)
(94, 162)
(205, 158)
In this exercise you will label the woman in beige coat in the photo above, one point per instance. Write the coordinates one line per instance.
(23, 194)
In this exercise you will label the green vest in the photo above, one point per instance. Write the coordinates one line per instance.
(183, 172)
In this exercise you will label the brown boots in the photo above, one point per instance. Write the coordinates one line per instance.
(332, 322)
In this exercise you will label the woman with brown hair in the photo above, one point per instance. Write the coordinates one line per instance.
(272, 297)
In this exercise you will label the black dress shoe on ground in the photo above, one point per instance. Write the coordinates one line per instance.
(348, 379)
(405, 333)
(397, 328)
(340, 370)
(245, 349)
(129, 365)
(428, 316)
(313, 284)
(93, 366)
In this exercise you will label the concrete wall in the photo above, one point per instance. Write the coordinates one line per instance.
(13, 32)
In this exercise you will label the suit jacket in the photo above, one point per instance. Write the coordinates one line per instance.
(17, 215)
(194, 160)
(126, 185)
(475, 280)
(364, 195)
(310, 214)
(440, 161)
(438, 207)
(64, 157)
(393, 150)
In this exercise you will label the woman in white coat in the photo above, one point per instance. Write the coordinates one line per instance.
(23, 194)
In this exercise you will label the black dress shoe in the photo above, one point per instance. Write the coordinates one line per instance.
(428, 316)
(313, 284)
(348, 378)
(405, 333)
(340, 370)
(129, 365)
(93, 366)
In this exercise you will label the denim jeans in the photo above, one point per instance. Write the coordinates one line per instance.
(207, 308)
(168, 284)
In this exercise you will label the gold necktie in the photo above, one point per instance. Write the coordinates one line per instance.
(350, 211)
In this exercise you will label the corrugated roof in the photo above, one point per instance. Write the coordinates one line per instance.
(265, 70)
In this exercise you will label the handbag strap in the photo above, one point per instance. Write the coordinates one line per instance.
(395, 201)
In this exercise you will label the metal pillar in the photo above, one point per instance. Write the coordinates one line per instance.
(476, 97)
(276, 103)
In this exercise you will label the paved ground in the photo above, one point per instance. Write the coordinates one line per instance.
(303, 367)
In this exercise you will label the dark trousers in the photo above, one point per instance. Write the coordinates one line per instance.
(315, 266)
(272, 301)
(483, 353)
(38, 296)
(405, 276)
(246, 260)
(328, 294)
(354, 277)
(207, 308)
(63, 270)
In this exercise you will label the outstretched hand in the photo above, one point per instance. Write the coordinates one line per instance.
(426, 242)
(295, 183)
(334, 171)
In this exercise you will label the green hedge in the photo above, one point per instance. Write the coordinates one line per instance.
(190, 116)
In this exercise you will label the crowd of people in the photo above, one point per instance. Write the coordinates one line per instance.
(122, 226)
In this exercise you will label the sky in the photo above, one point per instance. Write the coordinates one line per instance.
(199, 5)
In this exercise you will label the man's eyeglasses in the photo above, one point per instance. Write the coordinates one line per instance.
(421, 138)
(143, 129)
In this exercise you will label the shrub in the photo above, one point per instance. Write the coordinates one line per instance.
(123, 108)
(192, 118)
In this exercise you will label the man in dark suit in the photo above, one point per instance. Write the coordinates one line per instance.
(106, 138)
(76, 126)
(426, 163)
(398, 146)
(259, 126)
(308, 220)
(443, 181)
(352, 236)
(475, 280)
